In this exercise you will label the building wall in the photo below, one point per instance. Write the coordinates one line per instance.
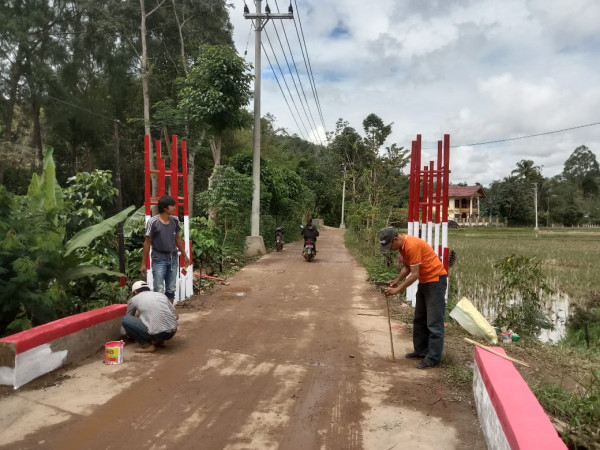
(468, 207)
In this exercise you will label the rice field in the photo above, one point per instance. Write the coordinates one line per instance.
(569, 261)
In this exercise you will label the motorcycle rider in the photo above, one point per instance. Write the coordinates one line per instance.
(279, 232)
(310, 233)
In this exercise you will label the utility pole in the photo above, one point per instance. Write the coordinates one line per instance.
(535, 205)
(342, 224)
(120, 238)
(254, 243)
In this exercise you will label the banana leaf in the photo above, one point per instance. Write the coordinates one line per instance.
(87, 270)
(131, 223)
(87, 235)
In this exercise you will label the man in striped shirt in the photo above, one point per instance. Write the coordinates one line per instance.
(156, 321)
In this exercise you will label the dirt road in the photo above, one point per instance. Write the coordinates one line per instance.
(289, 355)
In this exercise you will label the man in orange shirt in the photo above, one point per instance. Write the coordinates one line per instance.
(420, 263)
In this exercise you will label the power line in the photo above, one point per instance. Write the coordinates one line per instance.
(528, 136)
(298, 76)
(308, 114)
(283, 93)
(80, 108)
(285, 82)
(309, 66)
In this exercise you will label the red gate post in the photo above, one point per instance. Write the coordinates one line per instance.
(184, 287)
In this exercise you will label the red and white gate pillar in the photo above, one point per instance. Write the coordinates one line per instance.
(184, 285)
(428, 211)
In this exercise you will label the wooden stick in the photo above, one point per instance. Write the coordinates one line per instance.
(387, 301)
(470, 341)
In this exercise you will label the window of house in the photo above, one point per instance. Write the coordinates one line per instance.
(457, 203)
(475, 201)
(464, 203)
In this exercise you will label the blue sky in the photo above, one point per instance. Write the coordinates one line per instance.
(479, 70)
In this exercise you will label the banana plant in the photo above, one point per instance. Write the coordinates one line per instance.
(42, 277)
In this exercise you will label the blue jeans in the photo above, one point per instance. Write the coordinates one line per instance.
(164, 273)
(428, 324)
(138, 331)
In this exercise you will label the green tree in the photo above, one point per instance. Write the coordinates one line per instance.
(37, 266)
(214, 94)
(350, 148)
(582, 169)
(527, 171)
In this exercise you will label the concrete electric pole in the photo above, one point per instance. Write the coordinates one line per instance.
(255, 245)
(342, 224)
(535, 205)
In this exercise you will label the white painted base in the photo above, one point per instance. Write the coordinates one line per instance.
(490, 424)
(31, 364)
(255, 246)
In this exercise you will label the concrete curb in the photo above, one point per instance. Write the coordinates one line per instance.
(509, 414)
(31, 353)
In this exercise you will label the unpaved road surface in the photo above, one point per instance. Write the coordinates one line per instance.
(288, 355)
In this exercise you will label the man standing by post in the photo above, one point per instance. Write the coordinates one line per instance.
(162, 234)
(420, 263)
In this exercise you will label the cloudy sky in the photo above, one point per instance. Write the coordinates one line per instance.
(479, 70)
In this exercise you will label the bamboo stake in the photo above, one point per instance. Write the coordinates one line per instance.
(470, 341)
(387, 301)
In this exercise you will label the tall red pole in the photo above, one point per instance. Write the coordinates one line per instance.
(438, 193)
(446, 175)
(417, 191)
(430, 202)
(446, 185)
(184, 169)
(160, 164)
(424, 202)
(147, 206)
(174, 174)
(411, 179)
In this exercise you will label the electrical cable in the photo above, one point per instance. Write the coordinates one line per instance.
(308, 114)
(80, 108)
(496, 141)
(285, 82)
(309, 66)
(248, 41)
(528, 136)
(282, 93)
(299, 79)
(287, 86)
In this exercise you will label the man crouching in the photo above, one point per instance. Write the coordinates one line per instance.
(157, 321)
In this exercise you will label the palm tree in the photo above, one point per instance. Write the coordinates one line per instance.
(526, 170)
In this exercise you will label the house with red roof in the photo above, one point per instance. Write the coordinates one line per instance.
(464, 202)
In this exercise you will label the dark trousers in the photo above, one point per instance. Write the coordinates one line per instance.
(139, 331)
(428, 324)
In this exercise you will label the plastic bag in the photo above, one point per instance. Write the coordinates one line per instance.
(471, 320)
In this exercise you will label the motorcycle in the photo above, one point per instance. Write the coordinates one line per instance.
(279, 238)
(309, 250)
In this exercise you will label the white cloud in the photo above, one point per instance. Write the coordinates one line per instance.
(479, 70)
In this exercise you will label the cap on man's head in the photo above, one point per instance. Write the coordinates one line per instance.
(139, 285)
(386, 236)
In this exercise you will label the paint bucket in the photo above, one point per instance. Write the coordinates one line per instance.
(113, 352)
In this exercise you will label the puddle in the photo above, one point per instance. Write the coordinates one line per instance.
(555, 308)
